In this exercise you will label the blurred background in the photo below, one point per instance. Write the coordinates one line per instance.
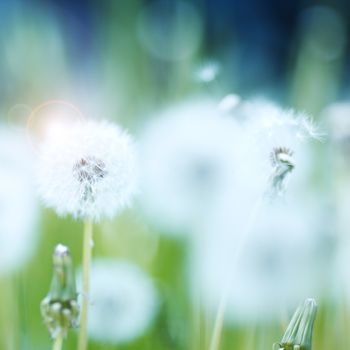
(125, 61)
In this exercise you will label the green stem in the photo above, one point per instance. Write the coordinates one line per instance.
(220, 315)
(58, 341)
(9, 311)
(87, 245)
(219, 322)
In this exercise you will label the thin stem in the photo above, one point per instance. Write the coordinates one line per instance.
(220, 315)
(196, 323)
(58, 341)
(87, 245)
(9, 310)
(219, 322)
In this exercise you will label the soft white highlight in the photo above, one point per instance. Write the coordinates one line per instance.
(89, 171)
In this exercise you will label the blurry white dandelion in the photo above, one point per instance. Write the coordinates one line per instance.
(18, 205)
(286, 258)
(191, 157)
(123, 302)
(88, 170)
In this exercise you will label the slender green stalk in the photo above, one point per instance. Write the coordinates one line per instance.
(9, 310)
(196, 323)
(219, 322)
(220, 315)
(87, 245)
(58, 341)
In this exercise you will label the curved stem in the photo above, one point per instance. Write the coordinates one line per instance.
(87, 245)
(57, 343)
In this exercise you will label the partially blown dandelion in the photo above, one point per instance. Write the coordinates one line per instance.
(282, 135)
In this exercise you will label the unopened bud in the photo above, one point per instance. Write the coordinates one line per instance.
(59, 308)
(298, 335)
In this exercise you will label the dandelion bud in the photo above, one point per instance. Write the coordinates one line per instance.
(298, 335)
(59, 308)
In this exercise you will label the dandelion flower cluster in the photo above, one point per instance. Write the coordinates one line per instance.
(89, 171)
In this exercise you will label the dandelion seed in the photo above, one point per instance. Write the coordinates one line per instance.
(90, 172)
(310, 130)
(123, 301)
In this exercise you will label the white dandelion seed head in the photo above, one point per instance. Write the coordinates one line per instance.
(89, 171)
(283, 261)
(191, 158)
(18, 205)
(123, 301)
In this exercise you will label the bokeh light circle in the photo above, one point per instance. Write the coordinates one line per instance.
(170, 31)
(51, 119)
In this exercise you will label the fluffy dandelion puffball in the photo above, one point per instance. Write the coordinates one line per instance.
(191, 156)
(18, 205)
(124, 301)
(283, 261)
(88, 170)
